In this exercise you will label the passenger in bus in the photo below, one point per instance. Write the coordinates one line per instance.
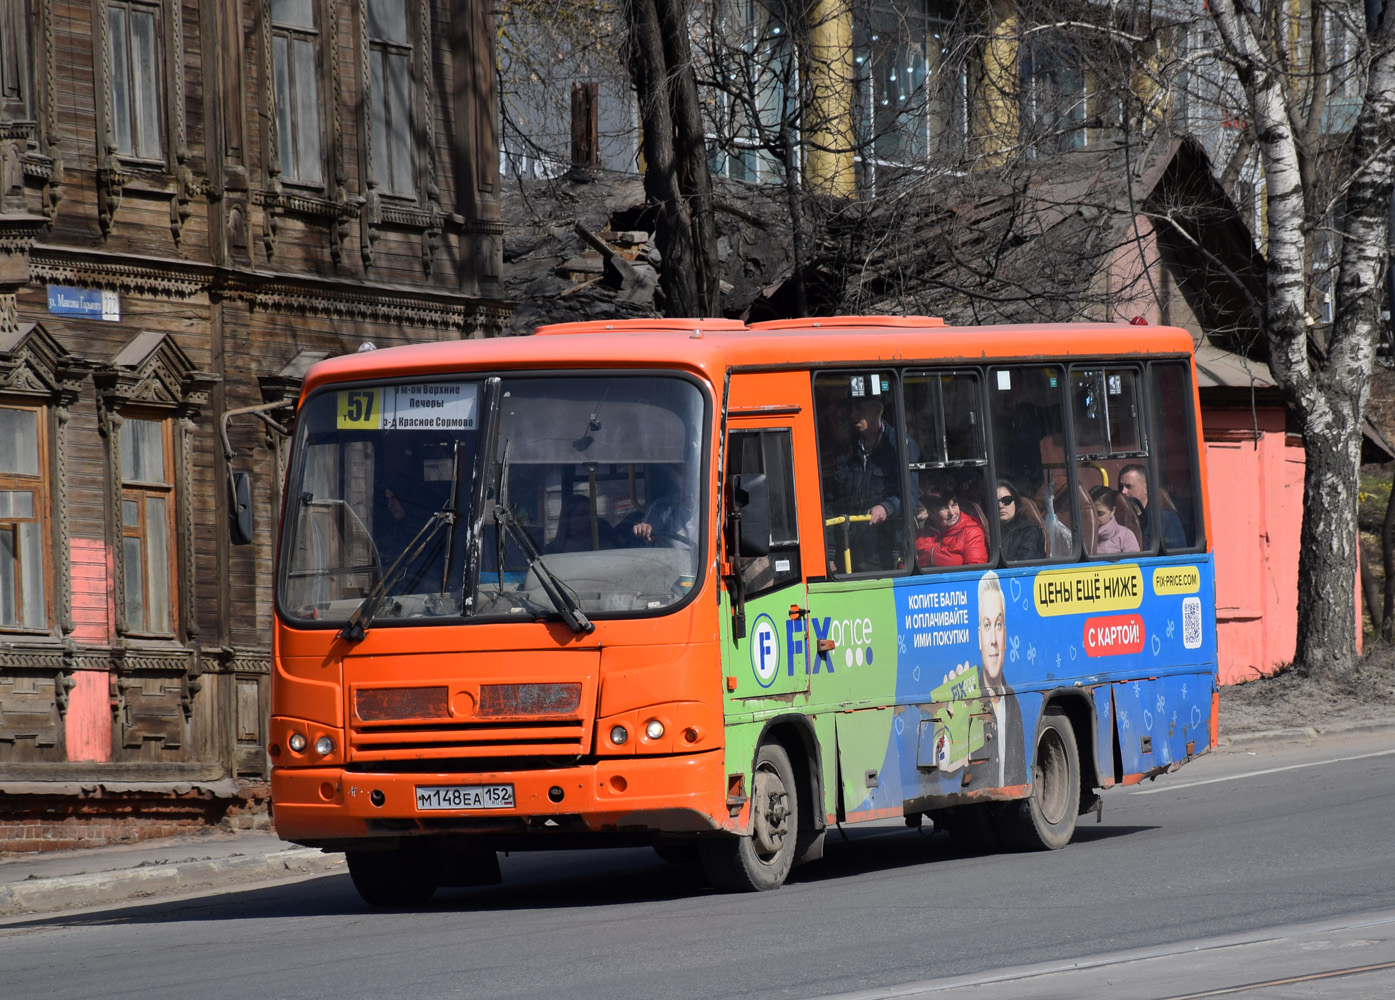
(867, 481)
(1010, 746)
(1022, 536)
(949, 536)
(1110, 535)
(574, 528)
(1133, 482)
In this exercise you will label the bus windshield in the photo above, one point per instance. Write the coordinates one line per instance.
(585, 501)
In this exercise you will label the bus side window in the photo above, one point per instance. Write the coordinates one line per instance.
(860, 471)
(770, 452)
(1026, 413)
(1108, 428)
(944, 418)
(1174, 431)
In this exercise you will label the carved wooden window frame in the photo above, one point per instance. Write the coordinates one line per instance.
(16, 69)
(136, 524)
(152, 378)
(313, 35)
(416, 53)
(168, 77)
(37, 372)
(37, 485)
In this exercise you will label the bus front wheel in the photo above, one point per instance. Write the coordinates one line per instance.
(403, 877)
(762, 860)
(1046, 820)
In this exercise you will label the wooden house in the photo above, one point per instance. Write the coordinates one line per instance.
(196, 199)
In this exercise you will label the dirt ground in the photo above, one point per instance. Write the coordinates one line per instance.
(1290, 698)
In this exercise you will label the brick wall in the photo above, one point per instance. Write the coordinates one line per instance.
(57, 823)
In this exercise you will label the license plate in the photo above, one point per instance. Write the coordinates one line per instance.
(464, 797)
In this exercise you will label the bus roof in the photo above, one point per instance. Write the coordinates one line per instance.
(708, 347)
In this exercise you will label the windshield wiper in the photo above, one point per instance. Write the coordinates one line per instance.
(362, 617)
(552, 585)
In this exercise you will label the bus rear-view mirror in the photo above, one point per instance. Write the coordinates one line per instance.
(750, 514)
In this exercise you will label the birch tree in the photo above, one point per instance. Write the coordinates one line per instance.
(1326, 200)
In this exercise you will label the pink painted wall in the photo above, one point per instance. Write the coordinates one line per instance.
(87, 725)
(1256, 489)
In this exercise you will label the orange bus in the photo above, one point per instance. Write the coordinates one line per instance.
(717, 588)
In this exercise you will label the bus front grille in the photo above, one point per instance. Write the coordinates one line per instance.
(390, 742)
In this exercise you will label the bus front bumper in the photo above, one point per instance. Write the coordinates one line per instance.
(685, 794)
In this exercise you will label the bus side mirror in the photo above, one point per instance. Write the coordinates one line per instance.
(240, 513)
(749, 518)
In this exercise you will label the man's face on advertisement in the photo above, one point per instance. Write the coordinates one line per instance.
(992, 632)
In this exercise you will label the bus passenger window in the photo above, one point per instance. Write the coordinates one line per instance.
(1176, 493)
(1026, 412)
(771, 453)
(1109, 438)
(860, 463)
(944, 418)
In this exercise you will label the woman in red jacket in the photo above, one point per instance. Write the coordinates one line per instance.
(950, 536)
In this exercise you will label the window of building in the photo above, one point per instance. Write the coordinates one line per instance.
(147, 525)
(749, 51)
(295, 42)
(23, 503)
(14, 61)
(134, 32)
(910, 84)
(1054, 94)
(390, 88)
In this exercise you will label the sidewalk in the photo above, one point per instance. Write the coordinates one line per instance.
(32, 884)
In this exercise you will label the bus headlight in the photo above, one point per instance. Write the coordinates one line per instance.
(324, 746)
(297, 742)
(654, 729)
(618, 735)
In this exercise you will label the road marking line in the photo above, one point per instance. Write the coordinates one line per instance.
(1255, 774)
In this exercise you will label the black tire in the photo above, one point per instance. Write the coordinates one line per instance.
(1046, 820)
(971, 829)
(763, 860)
(392, 878)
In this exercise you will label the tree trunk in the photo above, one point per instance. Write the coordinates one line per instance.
(676, 176)
(1327, 398)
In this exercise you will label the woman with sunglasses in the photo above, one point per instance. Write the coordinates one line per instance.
(1021, 537)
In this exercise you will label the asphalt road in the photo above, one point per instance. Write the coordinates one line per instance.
(1280, 846)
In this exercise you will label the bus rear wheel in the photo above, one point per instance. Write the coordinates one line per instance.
(1046, 820)
(403, 877)
(762, 860)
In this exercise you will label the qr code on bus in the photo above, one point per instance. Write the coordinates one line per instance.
(1191, 622)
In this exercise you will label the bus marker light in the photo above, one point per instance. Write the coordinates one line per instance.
(827, 645)
(324, 746)
(654, 729)
(691, 734)
(555, 793)
(731, 683)
(618, 735)
(297, 742)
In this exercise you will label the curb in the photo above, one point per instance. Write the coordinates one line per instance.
(70, 892)
(1306, 732)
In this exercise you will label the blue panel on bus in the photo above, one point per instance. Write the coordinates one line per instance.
(976, 652)
(1163, 720)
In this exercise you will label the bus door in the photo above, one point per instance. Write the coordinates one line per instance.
(766, 639)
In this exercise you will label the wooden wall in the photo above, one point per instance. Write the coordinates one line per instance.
(225, 273)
